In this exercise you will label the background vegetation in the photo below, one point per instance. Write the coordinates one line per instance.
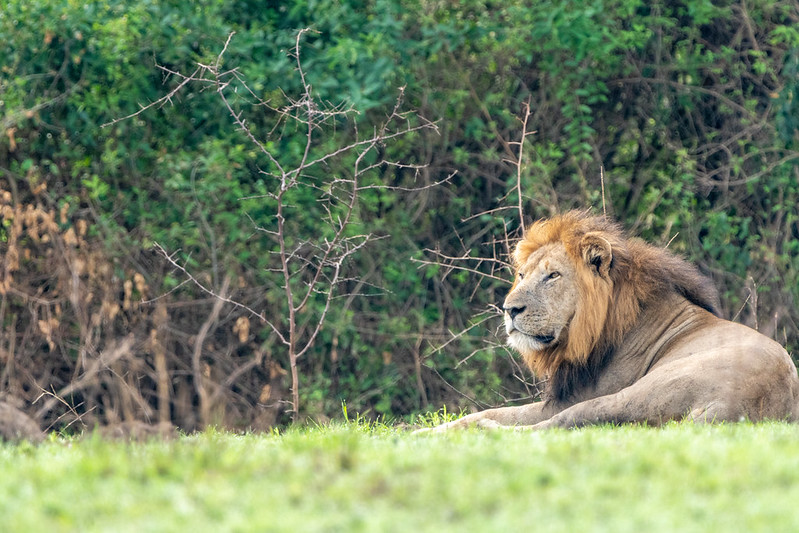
(690, 106)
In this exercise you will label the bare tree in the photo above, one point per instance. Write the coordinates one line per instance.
(311, 268)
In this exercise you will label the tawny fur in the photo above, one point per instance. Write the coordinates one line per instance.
(623, 331)
(639, 273)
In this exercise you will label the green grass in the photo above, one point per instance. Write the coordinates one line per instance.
(376, 478)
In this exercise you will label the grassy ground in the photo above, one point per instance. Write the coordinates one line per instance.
(361, 478)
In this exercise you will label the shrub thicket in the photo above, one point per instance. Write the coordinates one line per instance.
(690, 106)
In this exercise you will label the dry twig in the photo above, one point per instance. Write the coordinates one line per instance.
(321, 264)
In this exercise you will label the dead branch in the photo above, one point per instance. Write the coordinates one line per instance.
(320, 265)
(501, 248)
(199, 378)
(450, 263)
(519, 162)
(215, 295)
(113, 353)
(161, 101)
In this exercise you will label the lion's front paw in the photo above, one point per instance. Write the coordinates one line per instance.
(471, 421)
(440, 428)
(487, 423)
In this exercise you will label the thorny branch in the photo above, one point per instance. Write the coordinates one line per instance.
(519, 162)
(322, 271)
(489, 267)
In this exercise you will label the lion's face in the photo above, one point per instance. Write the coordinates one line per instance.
(542, 301)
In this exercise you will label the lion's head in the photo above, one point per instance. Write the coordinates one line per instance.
(580, 285)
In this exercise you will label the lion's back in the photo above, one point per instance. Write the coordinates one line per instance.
(753, 374)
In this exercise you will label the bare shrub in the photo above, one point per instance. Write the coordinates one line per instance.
(65, 310)
(89, 336)
(490, 264)
(310, 268)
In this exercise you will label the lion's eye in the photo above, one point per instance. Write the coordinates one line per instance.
(521, 276)
(553, 275)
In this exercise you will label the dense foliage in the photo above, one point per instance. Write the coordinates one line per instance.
(689, 106)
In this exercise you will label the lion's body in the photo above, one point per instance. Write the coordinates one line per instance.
(627, 332)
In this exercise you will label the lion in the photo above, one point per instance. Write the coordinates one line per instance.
(626, 332)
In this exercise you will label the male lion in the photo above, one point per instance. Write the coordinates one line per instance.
(627, 332)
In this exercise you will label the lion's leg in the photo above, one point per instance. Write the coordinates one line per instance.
(686, 390)
(523, 415)
(645, 402)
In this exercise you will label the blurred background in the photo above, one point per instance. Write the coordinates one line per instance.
(679, 119)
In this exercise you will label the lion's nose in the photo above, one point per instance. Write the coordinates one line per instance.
(513, 311)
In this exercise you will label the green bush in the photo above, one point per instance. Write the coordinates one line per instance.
(690, 106)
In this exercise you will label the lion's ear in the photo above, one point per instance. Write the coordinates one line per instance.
(597, 252)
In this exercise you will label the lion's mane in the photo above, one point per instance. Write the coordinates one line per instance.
(611, 296)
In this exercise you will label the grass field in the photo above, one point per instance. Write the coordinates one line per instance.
(359, 477)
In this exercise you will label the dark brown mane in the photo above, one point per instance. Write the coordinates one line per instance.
(639, 273)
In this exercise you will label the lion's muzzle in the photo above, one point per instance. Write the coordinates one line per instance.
(518, 335)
